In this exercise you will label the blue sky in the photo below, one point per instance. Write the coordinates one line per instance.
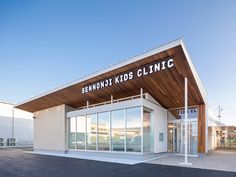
(45, 44)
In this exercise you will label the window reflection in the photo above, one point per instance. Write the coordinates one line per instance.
(125, 127)
(103, 131)
(91, 131)
(72, 131)
(146, 131)
(118, 130)
(133, 131)
(80, 133)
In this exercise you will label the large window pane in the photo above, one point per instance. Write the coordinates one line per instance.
(80, 133)
(133, 132)
(103, 131)
(193, 137)
(72, 131)
(91, 131)
(146, 131)
(118, 130)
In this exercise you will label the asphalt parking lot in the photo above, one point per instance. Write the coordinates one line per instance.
(17, 163)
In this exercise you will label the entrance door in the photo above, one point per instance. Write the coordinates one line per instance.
(176, 137)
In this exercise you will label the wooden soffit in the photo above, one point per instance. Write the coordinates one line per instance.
(166, 86)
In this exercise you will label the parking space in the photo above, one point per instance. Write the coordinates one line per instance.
(17, 163)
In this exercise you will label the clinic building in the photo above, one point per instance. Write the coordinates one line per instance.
(133, 107)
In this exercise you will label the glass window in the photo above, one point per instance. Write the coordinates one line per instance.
(133, 132)
(193, 137)
(91, 131)
(80, 133)
(146, 131)
(72, 131)
(118, 130)
(103, 131)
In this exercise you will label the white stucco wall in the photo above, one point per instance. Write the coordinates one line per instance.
(159, 126)
(212, 139)
(16, 123)
(50, 129)
(212, 125)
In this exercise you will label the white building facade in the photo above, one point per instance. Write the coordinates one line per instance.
(16, 126)
(134, 107)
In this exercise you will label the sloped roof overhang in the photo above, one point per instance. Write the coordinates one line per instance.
(165, 85)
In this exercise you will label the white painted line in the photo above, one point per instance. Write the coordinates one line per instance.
(148, 160)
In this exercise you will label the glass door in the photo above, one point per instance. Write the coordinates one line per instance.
(193, 137)
(170, 145)
(178, 141)
(176, 137)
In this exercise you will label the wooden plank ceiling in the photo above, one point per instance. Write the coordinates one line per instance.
(166, 86)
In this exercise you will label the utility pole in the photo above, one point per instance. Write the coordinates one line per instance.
(220, 109)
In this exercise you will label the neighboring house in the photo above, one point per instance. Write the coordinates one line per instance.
(213, 126)
(16, 124)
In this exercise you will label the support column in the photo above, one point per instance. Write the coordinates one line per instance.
(185, 123)
(111, 98)
(87, 104)
(201, 128)
(141, 92)
(13, 122)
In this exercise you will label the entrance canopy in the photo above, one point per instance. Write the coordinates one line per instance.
(160, 72)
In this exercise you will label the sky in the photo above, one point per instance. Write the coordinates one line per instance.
(45, 44)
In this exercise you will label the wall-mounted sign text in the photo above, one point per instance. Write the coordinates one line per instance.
(192, 113)
(139, 72)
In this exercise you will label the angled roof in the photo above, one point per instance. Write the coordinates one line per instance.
(165, 86)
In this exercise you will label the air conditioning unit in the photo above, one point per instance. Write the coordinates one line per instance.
(11, 141)
(1, 142)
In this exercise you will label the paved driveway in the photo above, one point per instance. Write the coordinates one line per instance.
(218, 160)
(15, 163)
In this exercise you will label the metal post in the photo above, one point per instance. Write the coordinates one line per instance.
(97, 131)
(186, 122)
(219, 116)
(110, 135)
(111, 98)
(67, 134)
(141, 92)
(13, 122)
(142, 133)
(125, 140)
(85, 135)
(87, 103)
